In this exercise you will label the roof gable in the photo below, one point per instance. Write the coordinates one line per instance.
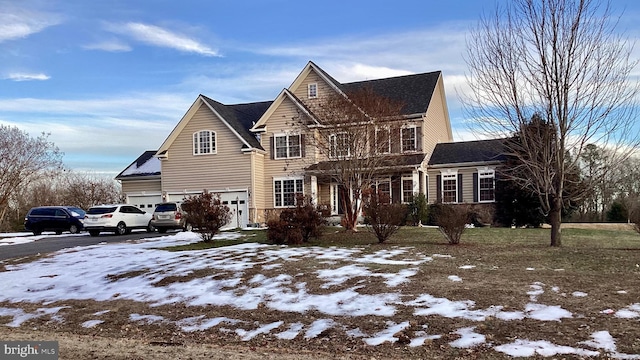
(284, 94)
(468, 152)
(239, 118)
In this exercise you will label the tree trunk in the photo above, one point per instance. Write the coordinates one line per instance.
(555, 218)
(350, 216)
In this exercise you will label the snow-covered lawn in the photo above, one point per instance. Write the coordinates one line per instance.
(250, 276)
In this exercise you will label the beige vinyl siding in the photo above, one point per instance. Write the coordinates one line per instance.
(324, 194)
(280, 122)
(140, 186)
(436, 128)
(228, 168)
(258, 190)
(467, 183)
(323, 88)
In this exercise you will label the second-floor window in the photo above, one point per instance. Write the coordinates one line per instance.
(408, 138)
(312, 90)
(383, 140)
(204, 142)
(339, 145)
(287, 146)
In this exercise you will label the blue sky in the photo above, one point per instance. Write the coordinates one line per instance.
(110, 79)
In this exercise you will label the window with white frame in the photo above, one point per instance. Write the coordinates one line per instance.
(383, 187)
(285, 190)
(383, 140)
(339, 145)
(287, 146)
(486, 185)
(408, 138)
(449, 188)
(407, 189)
(312, 90)
(204, 142)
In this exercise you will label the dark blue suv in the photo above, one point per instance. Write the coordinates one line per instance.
(54, 218)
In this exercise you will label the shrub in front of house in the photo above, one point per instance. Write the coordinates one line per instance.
(452, 220)
(418, 210)
(206, 213)
(296, 225)
(382, 217)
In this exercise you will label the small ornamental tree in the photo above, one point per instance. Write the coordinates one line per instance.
(452, 221)
(383, 218)
(419, 210)
(206, 213)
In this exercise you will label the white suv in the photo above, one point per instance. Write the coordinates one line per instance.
(120, 219)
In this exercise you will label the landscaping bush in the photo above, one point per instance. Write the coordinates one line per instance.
(297, 225)
(452, 221)
(383, 218)
(206, 213)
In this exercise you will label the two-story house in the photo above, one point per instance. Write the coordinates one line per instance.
(256, 160)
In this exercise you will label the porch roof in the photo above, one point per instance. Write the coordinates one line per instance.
(388, 163)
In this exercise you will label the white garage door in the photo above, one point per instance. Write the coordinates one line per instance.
(238, 203)
(145, 202)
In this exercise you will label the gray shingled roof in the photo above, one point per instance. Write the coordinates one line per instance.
(391, 161)
(468, 152)
(241, 117)
(415, 91)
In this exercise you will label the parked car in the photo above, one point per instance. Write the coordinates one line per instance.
(54, 218)
(119, 218)
(169, 215)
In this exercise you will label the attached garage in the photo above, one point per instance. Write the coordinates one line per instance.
(237, 201)
(146, 202)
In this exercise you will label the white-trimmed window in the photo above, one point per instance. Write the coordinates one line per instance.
(407, 189)
(383, 186)
(450, 188)
(339, 145)
(287, 146)
(383, 140)
(312, 90)
(285, 190)
(408, 138)
(486, 185)
(204, 142)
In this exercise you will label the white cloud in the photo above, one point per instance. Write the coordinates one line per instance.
(16, 23)
(157, 36)
(113, 45)
(27, 76)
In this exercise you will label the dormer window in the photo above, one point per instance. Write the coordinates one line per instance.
(204, 142)
(312, 91)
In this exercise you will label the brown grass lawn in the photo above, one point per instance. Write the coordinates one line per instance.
(603, 264)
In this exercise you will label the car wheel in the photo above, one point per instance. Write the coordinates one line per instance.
(162, 230)
(188, 227)
(58, 232)
(94, 232)
(121, 228)
(150, 228)
(37, 232)
(74, 229)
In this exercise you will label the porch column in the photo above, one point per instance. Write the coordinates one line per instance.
(416, 182)
(314, 190)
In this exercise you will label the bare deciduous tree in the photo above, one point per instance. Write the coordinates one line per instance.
(86, 189)
(352, 135)
(23, 160)
(563, 60)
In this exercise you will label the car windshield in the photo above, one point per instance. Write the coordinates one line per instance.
(101, 210)
(76, 212)
(166, 207)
